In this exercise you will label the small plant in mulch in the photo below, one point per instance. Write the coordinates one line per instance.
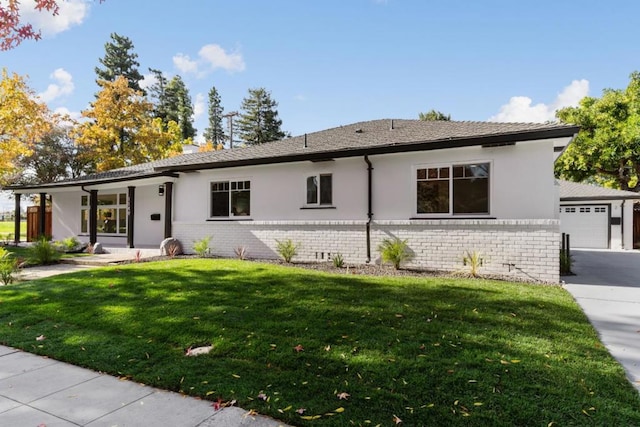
(338, 260)
(473, 261)
(394, 250)
(241, 252)
(287, 249)
(201, 247)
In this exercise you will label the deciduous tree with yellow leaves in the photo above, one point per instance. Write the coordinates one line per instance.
(23, 121)
(122, 131)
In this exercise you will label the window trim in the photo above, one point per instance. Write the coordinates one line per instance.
(231, 216)
(450, 214)
(318, 204)
(115, 207)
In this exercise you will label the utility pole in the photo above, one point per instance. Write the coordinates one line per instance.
(230, 117)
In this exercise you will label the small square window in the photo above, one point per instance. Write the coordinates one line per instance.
(422, 174)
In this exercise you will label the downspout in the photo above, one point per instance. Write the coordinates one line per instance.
(369, 205)
(622, 224)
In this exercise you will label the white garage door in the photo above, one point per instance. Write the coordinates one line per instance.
(588, 225)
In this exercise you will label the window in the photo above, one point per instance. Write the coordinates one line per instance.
(230, 198)
(320, 189)
(111, 215)
(457, 189)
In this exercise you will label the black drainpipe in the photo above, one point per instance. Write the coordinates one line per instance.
(369, 206)
(622, 224)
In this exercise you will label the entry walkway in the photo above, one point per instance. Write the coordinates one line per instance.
(607, 287)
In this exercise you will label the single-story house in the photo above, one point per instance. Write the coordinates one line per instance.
(447, 187)
(598, 217)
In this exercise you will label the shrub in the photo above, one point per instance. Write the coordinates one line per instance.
(287, 249)
(201, 247)
(395, 251)
(241, 252)
(473, 260)
(338, 261)
(43, 252)
(69, 244)
(8, 266)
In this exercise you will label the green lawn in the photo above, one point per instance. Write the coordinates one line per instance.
(8, 227)
(349, 350)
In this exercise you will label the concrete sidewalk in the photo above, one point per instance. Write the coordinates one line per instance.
(36, 391)
(607, 288)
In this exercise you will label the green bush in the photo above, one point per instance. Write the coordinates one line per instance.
(338, 261)
(287, 249)
(395, 251)
(8, 267)
(69, 244)
(43, 252)
(201, 247)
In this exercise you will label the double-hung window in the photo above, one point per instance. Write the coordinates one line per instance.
(230, 198)
(320, 190)
(453, 190)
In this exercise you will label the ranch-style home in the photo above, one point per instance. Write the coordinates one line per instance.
(446, 187)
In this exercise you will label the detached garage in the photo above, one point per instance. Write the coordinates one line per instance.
(597, 217)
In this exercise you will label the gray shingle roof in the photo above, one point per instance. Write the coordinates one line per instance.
(369, 137)
(577, 191)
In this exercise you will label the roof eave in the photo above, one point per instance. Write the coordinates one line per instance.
(598, 198)
(485, 140)
(27, 188)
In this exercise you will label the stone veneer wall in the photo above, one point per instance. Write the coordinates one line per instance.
(522, 249)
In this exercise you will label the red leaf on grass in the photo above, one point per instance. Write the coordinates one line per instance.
(298, 348)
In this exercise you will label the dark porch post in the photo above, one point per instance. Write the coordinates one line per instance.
(131, 197)
(42, 215)
(16, 235)
(93, 217)
(168, 205)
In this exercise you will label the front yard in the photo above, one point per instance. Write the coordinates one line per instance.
(312, 348)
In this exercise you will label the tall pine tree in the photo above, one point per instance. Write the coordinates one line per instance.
(179, 107)
(157, 94)
(120, 60)
(215, 132)
(259, 123)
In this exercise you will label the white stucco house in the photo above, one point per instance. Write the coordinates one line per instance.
(447, 187)
(599, 218)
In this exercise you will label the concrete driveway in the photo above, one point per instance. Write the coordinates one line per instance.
(607, 287)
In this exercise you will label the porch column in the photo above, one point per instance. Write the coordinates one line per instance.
(93, 217)
(16, 235)
(42, 215)
(131, 197)
(168, 206)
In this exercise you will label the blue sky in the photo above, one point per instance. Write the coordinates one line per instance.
(334, 62)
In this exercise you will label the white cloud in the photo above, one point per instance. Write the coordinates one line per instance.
(198, 106)
(63, 86)
(210, 58)
(148, 80)
(217, 57)
(69, 117)
(520, 108)
(185, 64)
(72, 12)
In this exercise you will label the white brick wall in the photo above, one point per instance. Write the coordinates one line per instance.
(523, 249)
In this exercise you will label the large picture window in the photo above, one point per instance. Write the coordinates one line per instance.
(230, 198)
(320, 189)
(111, 215)
(456, 189)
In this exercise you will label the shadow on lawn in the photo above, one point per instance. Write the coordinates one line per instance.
(400, 342)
